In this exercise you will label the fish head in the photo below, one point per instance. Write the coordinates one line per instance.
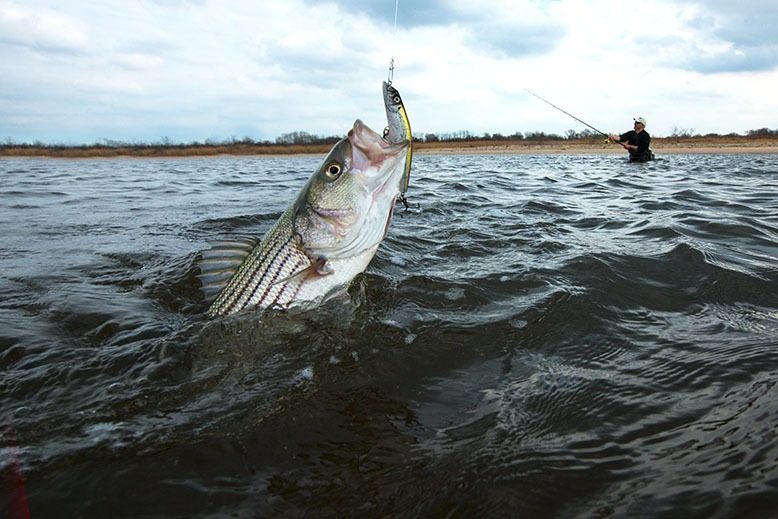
(346, 205)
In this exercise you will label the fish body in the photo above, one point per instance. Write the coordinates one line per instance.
(398, 128)
(322, 241)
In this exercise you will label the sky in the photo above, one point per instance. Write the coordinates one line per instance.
(80, 72)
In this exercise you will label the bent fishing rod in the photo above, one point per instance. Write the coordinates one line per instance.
(576, 118)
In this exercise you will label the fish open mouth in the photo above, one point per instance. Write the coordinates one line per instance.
(370, 149)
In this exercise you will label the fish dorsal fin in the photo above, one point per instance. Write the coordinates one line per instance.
(219, 263)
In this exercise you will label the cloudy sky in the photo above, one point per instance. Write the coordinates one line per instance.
(190, 70)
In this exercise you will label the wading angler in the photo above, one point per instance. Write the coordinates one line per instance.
(636, 142)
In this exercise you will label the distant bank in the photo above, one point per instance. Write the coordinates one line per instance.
(661, 145)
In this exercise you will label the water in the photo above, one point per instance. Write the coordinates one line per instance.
(556, 336)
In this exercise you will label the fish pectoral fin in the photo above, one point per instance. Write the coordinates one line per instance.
(318, 267)
(220, 263)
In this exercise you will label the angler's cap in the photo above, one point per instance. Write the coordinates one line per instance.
(641, 120)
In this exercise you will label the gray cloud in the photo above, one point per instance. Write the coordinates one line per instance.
(516, 40)
(747, 27)
(409, 15)
(78, 71)
(535, 33)
(738, 59)
(176, 3)
(42, 31)
(148, 46)
(744, 23)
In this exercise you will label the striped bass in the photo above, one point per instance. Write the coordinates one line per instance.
(323, 240)
(398, 129)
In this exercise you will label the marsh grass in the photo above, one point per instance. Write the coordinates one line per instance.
(524, 145)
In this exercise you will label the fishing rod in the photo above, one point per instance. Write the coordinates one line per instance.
(574, 117)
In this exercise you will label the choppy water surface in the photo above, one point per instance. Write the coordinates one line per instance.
(541, 336)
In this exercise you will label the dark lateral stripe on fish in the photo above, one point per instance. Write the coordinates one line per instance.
(253, 275)
(293, 284)
(283, 287)
(264, 264)
(239, 291)
(277, 267)
(301, 272)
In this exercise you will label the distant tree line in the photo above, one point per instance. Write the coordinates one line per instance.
(302, 138)
(305, 138)
(464, 135)
(287, 139)
(572, 135)
(754, 134)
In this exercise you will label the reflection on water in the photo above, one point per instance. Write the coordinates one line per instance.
(538, 336)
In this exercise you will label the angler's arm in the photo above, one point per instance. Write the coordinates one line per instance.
(621, 139)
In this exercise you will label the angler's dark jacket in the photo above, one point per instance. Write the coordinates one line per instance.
(642, 140)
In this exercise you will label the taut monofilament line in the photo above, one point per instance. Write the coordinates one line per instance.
(394, 39)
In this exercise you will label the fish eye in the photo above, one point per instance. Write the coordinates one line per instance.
(333, 170)
(396, 99)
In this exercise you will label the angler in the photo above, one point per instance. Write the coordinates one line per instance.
(637, 142)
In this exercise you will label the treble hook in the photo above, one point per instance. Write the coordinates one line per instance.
(405, 202)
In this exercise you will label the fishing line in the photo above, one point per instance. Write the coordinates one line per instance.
(571, 115)
(403, 198)
(396, 8)
(394, 40)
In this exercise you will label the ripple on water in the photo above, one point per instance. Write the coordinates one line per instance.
(537, 336)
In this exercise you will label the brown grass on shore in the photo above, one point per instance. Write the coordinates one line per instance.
(80, 152)
(660, 145)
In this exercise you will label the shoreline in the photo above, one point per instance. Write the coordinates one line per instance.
(660, 146)
(582, 150)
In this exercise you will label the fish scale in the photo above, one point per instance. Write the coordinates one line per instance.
(260, 279)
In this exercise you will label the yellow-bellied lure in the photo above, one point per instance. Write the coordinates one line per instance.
(398, 130)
